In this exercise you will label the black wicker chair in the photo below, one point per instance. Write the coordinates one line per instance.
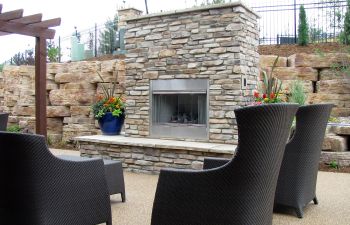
(240, 192)
(39, 189)
(296, 185)
(3, 121)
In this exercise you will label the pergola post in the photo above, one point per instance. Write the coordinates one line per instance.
(13, 22)
(40, 86)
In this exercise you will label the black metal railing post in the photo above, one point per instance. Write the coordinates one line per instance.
(59, 48)
(95, 40)
(295, 21)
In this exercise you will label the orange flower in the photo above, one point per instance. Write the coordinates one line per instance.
(256, 94)
(111, 100)
(272, 95)
(105, 105)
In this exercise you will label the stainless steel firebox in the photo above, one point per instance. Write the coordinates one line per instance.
(179, 108)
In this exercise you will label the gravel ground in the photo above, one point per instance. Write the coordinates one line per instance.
(333, 192)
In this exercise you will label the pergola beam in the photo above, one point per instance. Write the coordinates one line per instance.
(13, 22)
(29, 30)
(36, 18)
(48, 23)
(11, 15)
(3, 33)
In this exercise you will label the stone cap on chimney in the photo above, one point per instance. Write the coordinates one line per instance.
(129, 12)
(201, 8)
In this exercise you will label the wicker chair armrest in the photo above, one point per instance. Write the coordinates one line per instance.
(90, 171)
(82, 182)
(210, 162)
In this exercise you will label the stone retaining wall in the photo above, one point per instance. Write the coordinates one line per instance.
(341, 158)
(323, 80)
(71, 90)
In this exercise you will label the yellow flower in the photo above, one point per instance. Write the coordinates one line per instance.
(266, 99)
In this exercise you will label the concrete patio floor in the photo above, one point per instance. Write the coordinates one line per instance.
(333, 192)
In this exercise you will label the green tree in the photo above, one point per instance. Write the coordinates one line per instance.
(297, 93)
(345, 36)
(334, 13)
(52, 51)
(26, 58)
(108, 37)
(317, 35)
(303, 28)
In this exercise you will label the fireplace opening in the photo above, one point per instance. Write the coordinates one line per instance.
(179, 108)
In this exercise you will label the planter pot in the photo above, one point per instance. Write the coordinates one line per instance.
(111, 125)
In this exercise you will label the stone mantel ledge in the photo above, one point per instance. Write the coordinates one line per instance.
(193, 9)
(159, 143)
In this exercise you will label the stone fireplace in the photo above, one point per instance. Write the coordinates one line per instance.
(187, 70)
(179, 108)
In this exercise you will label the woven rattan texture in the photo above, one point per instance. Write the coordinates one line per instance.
(210, 162)
(240, 192)
(39, 189)
(298, 175)
(3, 121)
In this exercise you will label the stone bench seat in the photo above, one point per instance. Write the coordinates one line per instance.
(150, 154)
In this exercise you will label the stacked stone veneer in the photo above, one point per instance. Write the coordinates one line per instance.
(150, 159)
(71, 90)
(218, 43)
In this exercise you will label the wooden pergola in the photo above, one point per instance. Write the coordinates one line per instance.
(13, 22)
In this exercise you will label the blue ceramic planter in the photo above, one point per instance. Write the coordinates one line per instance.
(111, 125)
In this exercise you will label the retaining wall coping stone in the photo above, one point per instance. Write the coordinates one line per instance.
(159, 143)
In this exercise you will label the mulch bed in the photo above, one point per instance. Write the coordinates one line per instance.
(287, 50)
(325, 167)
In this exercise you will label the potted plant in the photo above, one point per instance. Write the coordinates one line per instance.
(109, 109)
(270, 90)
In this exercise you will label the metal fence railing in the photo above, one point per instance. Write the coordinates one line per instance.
(279, 20)
(92, 42)
(278, 25)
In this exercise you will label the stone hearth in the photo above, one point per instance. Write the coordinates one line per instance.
(150, 155)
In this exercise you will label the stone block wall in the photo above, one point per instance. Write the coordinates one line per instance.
(72, 87)
(71, 90)
(323, 80)
(218, 43)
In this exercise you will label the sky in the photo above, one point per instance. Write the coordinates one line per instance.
(80, 13)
